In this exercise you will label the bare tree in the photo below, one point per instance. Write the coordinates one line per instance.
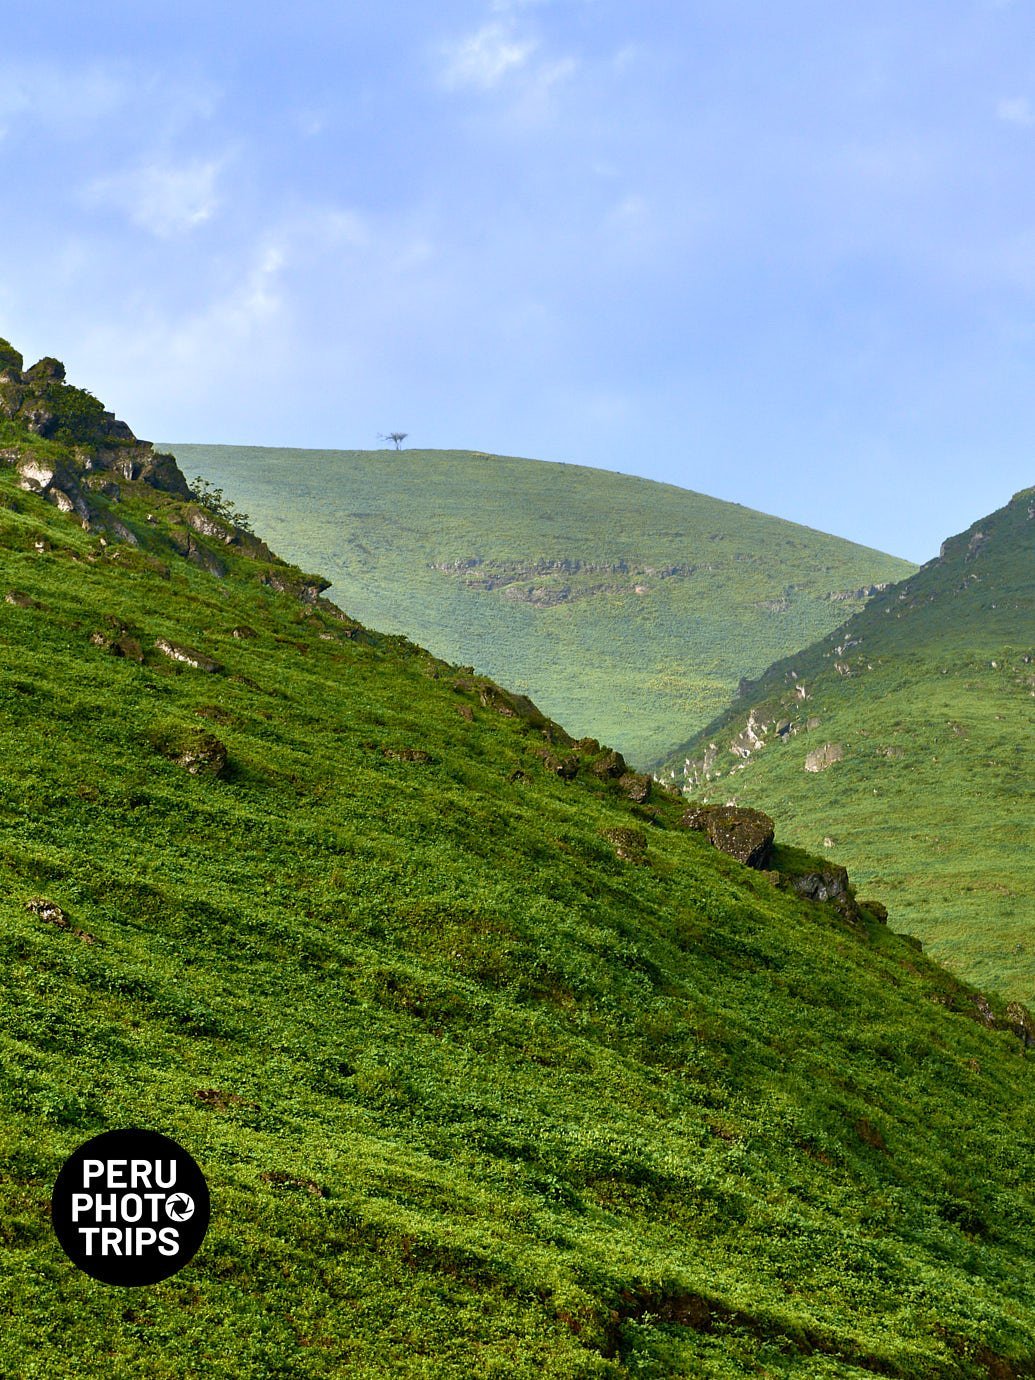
(397, 436)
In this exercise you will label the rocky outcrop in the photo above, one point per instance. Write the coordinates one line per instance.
(746, 835)
(566, 767)
(306, 588)
(197, 661)
(48, 407)
(827, 884)
(635, 786)
(822, 757)
(119, 644)
(611, 766)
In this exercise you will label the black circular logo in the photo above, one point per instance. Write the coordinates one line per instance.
(130, 1207)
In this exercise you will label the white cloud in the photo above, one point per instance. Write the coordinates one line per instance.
(70, 100)
(163, 198)
(58, 97)
(483, 59)
(1016, 110)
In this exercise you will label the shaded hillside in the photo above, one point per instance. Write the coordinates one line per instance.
(494, 1069)
(927, 702)
(626, 608)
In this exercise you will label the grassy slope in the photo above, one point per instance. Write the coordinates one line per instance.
(481, 1099)
(641, 670)
(933, 805)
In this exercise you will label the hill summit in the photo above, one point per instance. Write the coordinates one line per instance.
(496, 1062)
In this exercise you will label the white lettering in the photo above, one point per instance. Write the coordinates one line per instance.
(132, 1206)
(80, 1203)
(116, 1172)
(92, 1169)
(105, 1207)
(139, 1174)
(111, 1236)
(165, 1183)
(89, 1233)
(170, 1239)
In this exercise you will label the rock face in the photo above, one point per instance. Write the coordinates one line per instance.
(746, 835)
(821, 758)
(197, 661)
(85, 439)
(612, 764)
(827, 885)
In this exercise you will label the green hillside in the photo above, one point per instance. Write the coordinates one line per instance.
(928, 696)
(626, 608)
(494, 1069)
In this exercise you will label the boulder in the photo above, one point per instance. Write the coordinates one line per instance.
(567, 767)
(194, 659)
(202, 754)
(825, 885)
(635, 786)
(746, 835)
(629, 844)
(821, 758)
(612, 764)
(47, 910)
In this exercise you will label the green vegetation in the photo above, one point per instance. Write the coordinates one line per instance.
(215, 501)
(627, 609)
(493, 1072)
(930, 695)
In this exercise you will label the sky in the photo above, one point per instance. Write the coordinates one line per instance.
(782, 254)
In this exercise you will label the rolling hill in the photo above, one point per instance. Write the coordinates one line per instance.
(494, 1068)
(627, 608)
(926, 700)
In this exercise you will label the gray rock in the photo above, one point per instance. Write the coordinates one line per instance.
(197, 661)
(819, 759)
(746, 835)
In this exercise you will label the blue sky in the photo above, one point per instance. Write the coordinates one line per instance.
(783, 254)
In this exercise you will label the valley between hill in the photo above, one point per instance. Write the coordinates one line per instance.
(628, 609)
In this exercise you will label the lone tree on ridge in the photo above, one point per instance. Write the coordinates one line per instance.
(397, 436)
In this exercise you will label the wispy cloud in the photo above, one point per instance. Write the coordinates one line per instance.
(1016, 110)
(71, 99)
(166, 199)
(58, 97)
(483, 59)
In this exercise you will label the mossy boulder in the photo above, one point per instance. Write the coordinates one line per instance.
(194, 749)
(611, 765)
(629, 844)
(746, 835)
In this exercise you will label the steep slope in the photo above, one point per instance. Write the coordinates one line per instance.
(927, 701)
(628, 609)
(494, 1070)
